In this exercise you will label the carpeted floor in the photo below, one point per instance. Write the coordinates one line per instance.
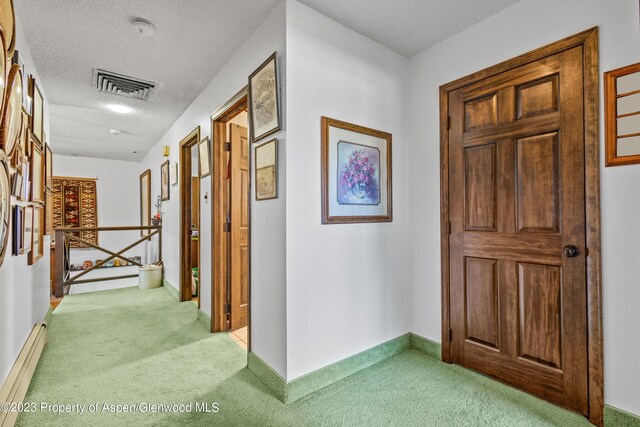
(128, 346)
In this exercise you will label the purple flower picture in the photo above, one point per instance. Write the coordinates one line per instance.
(358, 174)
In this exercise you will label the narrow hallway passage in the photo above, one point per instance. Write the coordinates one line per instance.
(127, 346)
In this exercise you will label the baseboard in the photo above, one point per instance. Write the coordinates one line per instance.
(17, 383)
(171, 289)
(426, 346)
(47, 317)
(289, 392)
(204, 319)
(619, 418)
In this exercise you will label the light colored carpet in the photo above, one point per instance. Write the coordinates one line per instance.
(127, 346)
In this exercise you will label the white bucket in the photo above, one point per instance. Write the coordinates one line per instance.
(150, 277)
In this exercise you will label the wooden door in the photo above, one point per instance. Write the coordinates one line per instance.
(518, 290)
(239, 226)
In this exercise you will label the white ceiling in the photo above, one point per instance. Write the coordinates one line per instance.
(193, 40)
(409, 26)
(70, 38)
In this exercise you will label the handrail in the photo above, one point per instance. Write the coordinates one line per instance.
(63, 235)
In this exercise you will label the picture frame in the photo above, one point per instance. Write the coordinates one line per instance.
(5, 204)
(27, 230)
(174, 174)
(11, 125)
(26, 183)
(204, 157)
(37, 175)
(17, 184)
(356, 170)
(264, 99)
(17, 230)
(37, 112)
(165, 188)
(622, 115)
(266, 170)
(48, 158)
(48, 215)
(37, 245)
(145, 201)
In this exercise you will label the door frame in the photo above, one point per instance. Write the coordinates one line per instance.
(219, 253)
(588, 40)
(184, 180)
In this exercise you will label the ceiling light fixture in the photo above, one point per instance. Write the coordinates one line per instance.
(119, 108)
(114, 132)
(143, 27)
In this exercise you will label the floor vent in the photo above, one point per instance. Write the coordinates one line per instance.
(119, 84)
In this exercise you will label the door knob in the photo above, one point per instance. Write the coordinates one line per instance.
(570, 251)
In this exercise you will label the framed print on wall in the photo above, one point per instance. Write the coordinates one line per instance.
(37, 245)
(204, 154)
(12, 116)
(164, 181)
(37, 112)
(27, 230)
(174, 174)
(145, 201)
(48, 175)
(18, 217)
(5, 204)
(37, 175)
(266, 170)
(356, 173)
(264, 103)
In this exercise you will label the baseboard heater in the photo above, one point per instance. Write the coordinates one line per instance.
(17, 383)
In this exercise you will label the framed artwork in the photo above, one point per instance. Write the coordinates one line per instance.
(174, 174)
(5, 204)
(37, 245)
(48, 214)
(164, 181)
(266, 170)
(356, 173)
(75, 205)
(11, 126)
(622, 115)
(48, 175)
(18, 218)
(264, 105)
(17, 59)
(8, 24)
(37, 112)
(27, 230)
(17, 185)
(145, 201)
(37, 175)
(204, 154)
(26, 186)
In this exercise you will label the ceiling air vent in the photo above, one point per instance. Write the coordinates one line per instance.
(118, 84)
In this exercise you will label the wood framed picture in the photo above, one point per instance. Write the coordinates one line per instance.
(164, 181)
(174, 174)
(26, 183)
(27, 230)
(37, 112)
(5, 203)
(145, 201)
(12, 118)
(48, 175)
(48, 214)
(18, 218)
(204, 156)
(37, 173)
(264, 102)
(622, 115)
(17, 184)
(37, 245)
(356, 173)
(266, 170)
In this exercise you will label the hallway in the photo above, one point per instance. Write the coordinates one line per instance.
(127, 346)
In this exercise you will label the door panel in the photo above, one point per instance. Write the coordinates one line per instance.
(516, 197)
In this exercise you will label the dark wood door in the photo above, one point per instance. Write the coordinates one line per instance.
(516, 185)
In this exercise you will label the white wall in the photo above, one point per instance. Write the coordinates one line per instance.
(347, 285)
(24, 289)
(519, 29)
(118, 205)
(268, 218)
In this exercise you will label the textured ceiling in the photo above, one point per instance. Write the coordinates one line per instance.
(70, 38)
(408, 26)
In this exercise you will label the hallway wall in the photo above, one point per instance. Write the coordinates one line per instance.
(528, 25)
(24, 289)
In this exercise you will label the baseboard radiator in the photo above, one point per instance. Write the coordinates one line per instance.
(17, 383)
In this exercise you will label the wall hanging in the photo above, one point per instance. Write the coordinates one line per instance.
(264, 103)
(622, 115)
(266, 170)
(75, 206)
(5, 204)
(164, 181)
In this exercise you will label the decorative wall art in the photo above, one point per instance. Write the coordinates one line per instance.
(145, 201)
(17, 59)
(356, 173)
(266, 170)
(75, 206)
(174, 174)
(622, 115)
(17, 185)
(164, 181)
(37, 174)
(26, 186)
(264, 105)
(48, 175)
(37, 246)
(8, 25)
(12, 117)
(204, 154)
(37, 112)
(27, 229)
(18, 218)
(48, 214)
(5, 204)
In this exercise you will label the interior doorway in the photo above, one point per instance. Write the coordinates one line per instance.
(189, 182)
(231, 219)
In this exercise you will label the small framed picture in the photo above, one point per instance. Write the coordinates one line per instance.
(48, 157)
(37, 175)
(174, 174)
(264, 103)
(27, 230)
(164, 181)
(37, 112)
(18, 217)
(266, 170)
(204, 154)
(17, 185)
(37, 245)
(356, 173)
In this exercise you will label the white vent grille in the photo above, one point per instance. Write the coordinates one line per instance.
(118, 84)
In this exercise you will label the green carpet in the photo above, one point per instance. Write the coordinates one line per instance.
(128, 346)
